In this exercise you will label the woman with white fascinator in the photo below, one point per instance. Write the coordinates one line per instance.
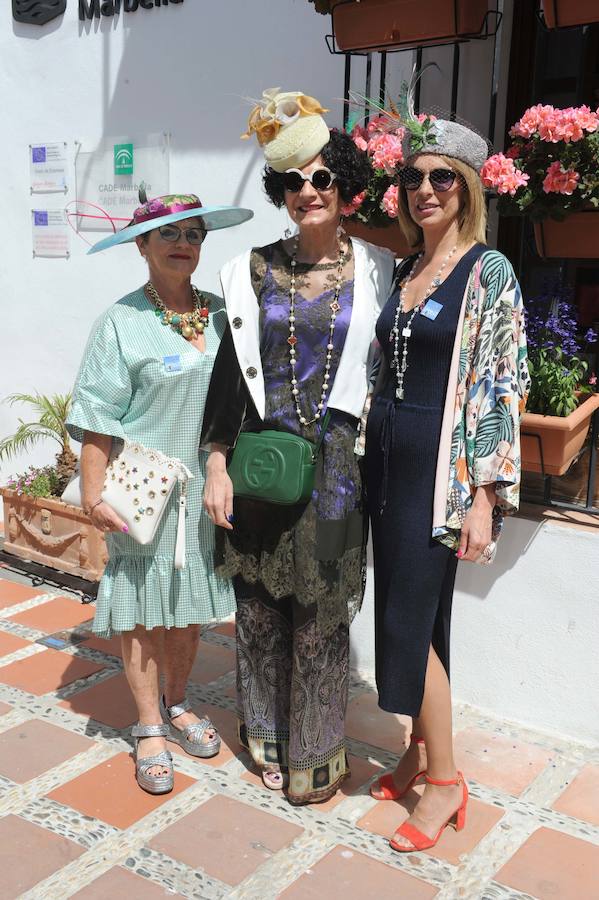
(296, 359)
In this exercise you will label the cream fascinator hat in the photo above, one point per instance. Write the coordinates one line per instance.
(289, 127)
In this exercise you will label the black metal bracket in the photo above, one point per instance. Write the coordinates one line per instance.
(40, 575)
(548, 500)
(487, 30)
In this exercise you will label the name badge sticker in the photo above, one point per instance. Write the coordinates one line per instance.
(431, 310)
(172, 363)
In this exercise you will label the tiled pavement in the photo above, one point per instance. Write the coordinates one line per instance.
(75, 825)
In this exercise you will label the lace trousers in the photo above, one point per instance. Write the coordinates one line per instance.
(292, 685)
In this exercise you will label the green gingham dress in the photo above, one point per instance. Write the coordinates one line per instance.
(143, 381)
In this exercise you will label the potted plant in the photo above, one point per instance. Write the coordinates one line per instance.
(550, 173)
(562, 397)
(38, 525)
(372, 215)
(387, 24)
(563, 13)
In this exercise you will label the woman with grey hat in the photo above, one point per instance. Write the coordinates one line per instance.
(443, 450)
(297, 359)
(143, 383)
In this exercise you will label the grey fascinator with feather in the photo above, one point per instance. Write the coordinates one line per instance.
(427, 133)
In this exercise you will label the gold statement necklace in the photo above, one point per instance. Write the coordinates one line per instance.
(189, 324)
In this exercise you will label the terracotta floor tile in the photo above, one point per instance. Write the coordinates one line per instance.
(211, 662)
(366, 721)
(499, 761)
(12, 593)
(227, 628)
(110, 702)
(228, 839)
(387, 816)
(581, 797)
(552, 865)
(112, 646)
(64, 612)
(10, 642)
(226, 723)
(109, 792)
(362, 771)
(4, 708)
(347, 875)
(47, 671)
(29, 854)
(29, 749)
(119, 882)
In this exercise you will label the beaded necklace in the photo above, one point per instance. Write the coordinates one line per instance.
(406, 331)
(189, 324)
(292, 339)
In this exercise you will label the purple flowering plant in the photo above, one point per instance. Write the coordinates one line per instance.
(35, 482)
(559, 374)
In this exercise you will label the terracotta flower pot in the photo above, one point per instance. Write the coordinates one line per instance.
(562, 13)
(577, 237)
(561, 437)
(391, 237)
(53, 533)
(385, 24)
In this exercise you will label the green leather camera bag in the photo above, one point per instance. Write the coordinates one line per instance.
(275, 466)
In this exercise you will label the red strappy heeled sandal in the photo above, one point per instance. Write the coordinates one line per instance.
(386, 789)
(420, 841)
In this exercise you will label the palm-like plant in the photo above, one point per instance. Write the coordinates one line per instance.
(52, 413)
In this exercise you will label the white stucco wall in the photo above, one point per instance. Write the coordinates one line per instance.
(185, 69)
(524, 630)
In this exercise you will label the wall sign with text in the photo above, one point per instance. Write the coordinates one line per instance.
(90, 9)
(39, 12)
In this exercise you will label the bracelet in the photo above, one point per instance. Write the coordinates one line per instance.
(91, 508)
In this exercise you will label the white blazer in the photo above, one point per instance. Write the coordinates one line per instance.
(373, 274)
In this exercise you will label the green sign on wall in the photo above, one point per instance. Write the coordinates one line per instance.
(123, 159)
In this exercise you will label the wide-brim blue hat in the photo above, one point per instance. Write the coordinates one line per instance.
(172, 208)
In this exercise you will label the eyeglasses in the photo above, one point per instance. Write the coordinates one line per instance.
(320, 179)
(172, 233)
(440, 179)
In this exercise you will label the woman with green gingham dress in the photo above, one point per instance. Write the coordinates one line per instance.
(144, 378)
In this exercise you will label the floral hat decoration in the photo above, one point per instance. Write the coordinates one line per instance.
(172, 208)
(289, 127)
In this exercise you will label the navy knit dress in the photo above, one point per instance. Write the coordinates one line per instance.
(414, 574)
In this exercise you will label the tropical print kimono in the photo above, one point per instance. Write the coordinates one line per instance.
(486, 395)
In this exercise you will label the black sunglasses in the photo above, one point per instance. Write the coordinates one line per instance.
(320, 179)
(440, 179)
(172, 233)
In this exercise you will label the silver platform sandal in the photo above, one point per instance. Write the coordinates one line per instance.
(153, 784)
(190, 737)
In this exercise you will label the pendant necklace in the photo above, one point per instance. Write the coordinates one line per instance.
(292, 339)
(189, 324)
(406, 331)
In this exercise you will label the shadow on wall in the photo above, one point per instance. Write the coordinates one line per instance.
(478, 581)
(192, 75)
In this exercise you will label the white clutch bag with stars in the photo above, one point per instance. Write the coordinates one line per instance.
(138, 486)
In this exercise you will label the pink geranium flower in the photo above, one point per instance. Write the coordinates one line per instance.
(389, 201)
(559, 180)
(500, 173)
(386, 151)
(350, 208)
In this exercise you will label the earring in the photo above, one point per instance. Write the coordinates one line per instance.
(340, 229)
(287, 233)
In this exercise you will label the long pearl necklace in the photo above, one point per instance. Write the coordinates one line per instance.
(406, 332)
(189, 324)
(292, 339)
